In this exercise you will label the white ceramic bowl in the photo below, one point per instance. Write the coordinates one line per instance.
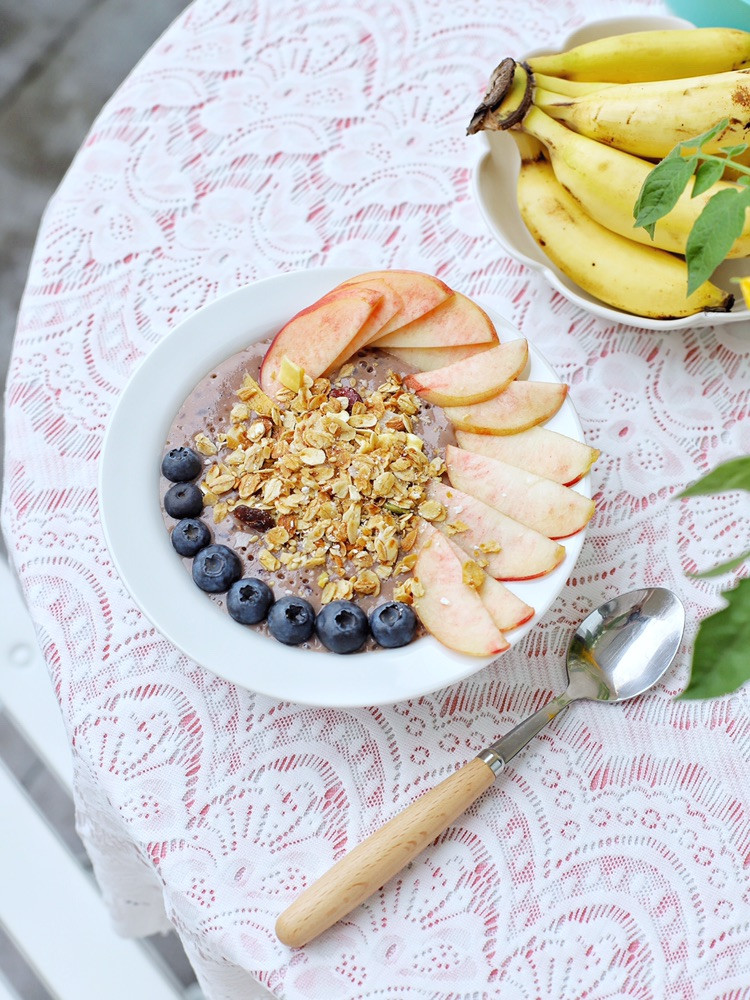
(494, 183)
(155, 576)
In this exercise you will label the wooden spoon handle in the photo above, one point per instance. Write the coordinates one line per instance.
(373, 862)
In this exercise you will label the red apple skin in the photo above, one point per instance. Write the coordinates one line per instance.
(390, 305)
(552, 509)
(506, 609)
(450, 610)
(538, 449)
(473, 380)
(419, 293)
(524, 554)
(315, 337)
(454, 322)
(521, 405)
(427, 359)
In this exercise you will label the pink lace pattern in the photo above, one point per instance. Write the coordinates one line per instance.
(611, 861)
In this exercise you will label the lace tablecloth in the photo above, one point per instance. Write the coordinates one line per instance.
(613, 858)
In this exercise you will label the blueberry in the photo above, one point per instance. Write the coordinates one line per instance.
(342, 626)
(393, 624)
(189, 536)
(291, 620)
(183, 500)
(216, 567)
(180, 465)
(248, 601)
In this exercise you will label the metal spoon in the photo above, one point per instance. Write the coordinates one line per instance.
(619, 651)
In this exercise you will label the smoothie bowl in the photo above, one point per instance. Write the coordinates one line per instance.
(342, 463)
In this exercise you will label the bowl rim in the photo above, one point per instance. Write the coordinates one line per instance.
(157, 580)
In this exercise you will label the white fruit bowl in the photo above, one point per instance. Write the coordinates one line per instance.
(494, 183)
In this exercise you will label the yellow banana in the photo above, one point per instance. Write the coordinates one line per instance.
(649, 119)
(650, 55)
(631, 277)
(571, 88)
(607, 183)
(509, 94)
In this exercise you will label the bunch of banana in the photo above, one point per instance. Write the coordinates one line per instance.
(590, 123)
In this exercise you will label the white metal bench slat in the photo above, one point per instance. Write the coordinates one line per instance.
(26, 693)
(56, 917)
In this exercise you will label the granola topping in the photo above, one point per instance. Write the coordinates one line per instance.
(334, 477)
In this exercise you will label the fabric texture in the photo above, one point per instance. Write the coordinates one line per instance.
(611, 859)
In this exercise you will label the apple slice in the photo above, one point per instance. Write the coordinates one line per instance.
(419, 293)
(457, 320)
(449, 609)
(390, 305)
(473, 380)
(316, 336)
(522, 405)
(506, 609)
(538, 449)
(541, 504)
(511, 550)
(427, 359)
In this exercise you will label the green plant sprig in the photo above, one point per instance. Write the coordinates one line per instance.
(721, 655)
(722, 219)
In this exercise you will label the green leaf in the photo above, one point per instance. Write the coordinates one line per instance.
(703, 138)
(731, 475)
(707, 174)
(713, 233)
(721, 568)
(661, 189)
(721, 655)
(731, 151)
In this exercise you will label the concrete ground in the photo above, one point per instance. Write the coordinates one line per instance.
(60, 60)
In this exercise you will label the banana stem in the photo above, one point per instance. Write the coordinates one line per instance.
(506, 101)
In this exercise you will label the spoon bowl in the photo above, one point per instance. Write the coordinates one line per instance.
(619, 651)
(625, 646)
